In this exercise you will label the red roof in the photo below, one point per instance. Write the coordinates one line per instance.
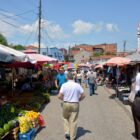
(30, 51)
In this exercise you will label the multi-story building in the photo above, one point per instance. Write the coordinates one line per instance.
(52, 52)
(101, 48)
(56, 53)
(64, 51)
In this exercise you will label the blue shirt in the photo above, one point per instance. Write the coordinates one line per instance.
(61, 79)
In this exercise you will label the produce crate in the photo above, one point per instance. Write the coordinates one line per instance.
(27, 136)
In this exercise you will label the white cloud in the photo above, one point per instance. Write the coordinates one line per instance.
(98, 27)
(28, 28)
(82, 27)
(54, 31)
(112, 27)
(6, 29)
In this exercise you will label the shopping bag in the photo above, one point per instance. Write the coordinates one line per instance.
(131, 96)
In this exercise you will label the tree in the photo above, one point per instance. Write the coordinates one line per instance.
(18, 47)
(3, 40)
(97, 54)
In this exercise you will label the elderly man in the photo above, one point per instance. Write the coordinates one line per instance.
(71, 93)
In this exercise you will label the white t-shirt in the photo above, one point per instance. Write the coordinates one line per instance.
(79, 76)
(71, 91)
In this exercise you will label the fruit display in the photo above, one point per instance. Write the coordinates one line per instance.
(23, 124)
(6, 128)
(7, 115)
(28, 121)
(1, 132)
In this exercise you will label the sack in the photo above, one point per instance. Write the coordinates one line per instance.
(131, 96)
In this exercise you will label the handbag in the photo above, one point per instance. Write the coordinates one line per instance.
(131, 96)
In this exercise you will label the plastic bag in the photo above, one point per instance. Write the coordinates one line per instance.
(41, 120)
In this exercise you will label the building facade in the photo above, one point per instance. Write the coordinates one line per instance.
(101, 48)
(53, 52)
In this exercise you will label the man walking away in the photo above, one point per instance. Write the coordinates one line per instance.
(91, 83)
(71, 93)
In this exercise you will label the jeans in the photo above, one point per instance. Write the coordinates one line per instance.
(91, 88)
(79, 81)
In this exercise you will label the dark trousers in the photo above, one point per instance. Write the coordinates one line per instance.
(136, 116)
(91, 88)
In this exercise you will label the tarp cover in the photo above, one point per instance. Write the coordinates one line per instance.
(8, 54)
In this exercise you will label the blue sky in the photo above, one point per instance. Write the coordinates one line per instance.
(69, 22)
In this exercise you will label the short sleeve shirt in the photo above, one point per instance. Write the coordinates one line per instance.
(61, 78)
(71, 91)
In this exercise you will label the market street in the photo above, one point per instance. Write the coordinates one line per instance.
(101, 118)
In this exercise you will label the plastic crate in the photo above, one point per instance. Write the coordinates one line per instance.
(27, 136)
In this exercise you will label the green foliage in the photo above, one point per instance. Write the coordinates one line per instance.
(66, 58)
(97, 54)
(46, 96)
(1, 132)
(18, 47)
(6, 127)
(3, 40)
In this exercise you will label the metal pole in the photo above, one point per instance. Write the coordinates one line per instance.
(39, 27)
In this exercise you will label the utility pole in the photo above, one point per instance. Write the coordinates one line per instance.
(39, 27)
(124, 46)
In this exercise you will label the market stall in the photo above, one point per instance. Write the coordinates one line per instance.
(119, 65)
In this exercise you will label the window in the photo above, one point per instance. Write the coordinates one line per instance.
(44, 53)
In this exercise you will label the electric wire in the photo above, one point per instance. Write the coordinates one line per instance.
(17, 15)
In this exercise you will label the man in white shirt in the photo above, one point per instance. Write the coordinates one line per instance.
(137, 84)
(71, 93)
(136, 106)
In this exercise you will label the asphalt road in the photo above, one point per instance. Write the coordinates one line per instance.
(100, 118)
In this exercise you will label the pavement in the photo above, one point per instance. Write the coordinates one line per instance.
(101, 117)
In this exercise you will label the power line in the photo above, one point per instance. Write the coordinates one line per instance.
(30, 36)
(52, 42)
(16, 26)
(17, 15)
(31, 3)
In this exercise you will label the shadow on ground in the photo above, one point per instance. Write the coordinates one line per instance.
(112, 96)
(40, 128)
(134, 135)
(81, 132)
